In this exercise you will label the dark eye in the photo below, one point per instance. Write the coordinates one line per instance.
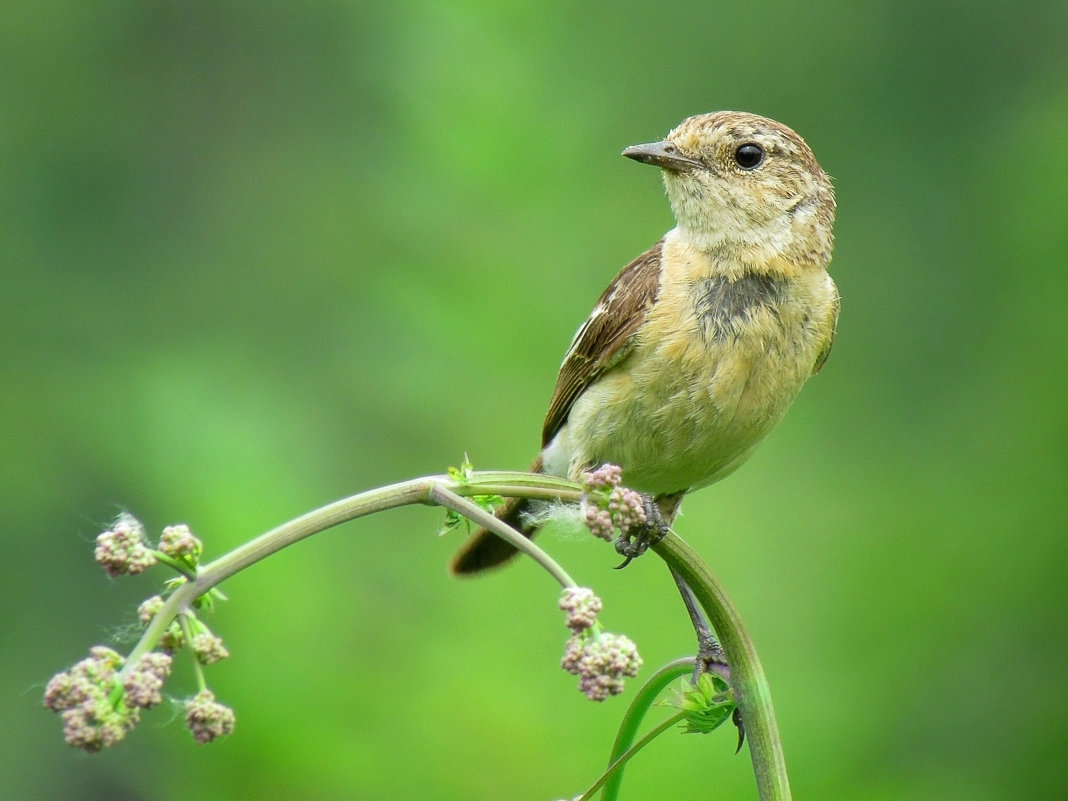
(749, 156)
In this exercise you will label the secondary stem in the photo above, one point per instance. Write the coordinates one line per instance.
(617, 765)
(628, 728)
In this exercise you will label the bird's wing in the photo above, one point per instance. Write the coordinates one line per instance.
(825, 352)
(605, 338)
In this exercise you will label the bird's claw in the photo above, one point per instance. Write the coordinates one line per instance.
(633, 543)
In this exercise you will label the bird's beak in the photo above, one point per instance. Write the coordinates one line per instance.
(663, 154)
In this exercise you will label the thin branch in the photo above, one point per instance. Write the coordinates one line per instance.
(639, 707)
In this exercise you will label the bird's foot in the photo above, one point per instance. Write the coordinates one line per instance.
(710, 657)
(636, 540)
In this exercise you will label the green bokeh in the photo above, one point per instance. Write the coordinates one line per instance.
(256, 259)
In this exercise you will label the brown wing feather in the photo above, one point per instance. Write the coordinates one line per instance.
(598, 345)
(824, 354)
(604, 338)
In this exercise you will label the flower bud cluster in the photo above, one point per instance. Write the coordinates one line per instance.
(82, 696)
(627, 508)
(600, 659)
(582, 608)
(608, 507)
(208, 647)
(179, 543)
(143, 684)
(122, 548)
(100, 699)
(605, 477)
(598, 521)
(208, 719)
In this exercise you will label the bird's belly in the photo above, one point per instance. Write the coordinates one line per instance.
(690, 409)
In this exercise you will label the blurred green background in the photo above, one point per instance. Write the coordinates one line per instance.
(258, 258)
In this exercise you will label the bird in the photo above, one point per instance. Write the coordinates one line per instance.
(698, 347)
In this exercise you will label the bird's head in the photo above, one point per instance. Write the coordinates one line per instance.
(746, 186)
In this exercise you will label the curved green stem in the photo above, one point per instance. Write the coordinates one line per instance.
(621, 760)
(748, 681)
(446, 497)
(433, 490)
(639, 707)
(747, 676)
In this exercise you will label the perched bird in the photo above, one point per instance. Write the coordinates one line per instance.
(699, 346)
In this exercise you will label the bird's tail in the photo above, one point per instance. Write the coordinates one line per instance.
(486, 550)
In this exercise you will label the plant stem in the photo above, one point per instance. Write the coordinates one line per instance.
(747, 676)
(748, 681)
(472, 511)
(198, 669)
(617, 765)
(637, 710)
(432, 490)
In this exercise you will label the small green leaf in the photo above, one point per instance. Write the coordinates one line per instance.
(461, 474)
(453, 520)
(173, 584)
(488, 502)
(706, 705)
